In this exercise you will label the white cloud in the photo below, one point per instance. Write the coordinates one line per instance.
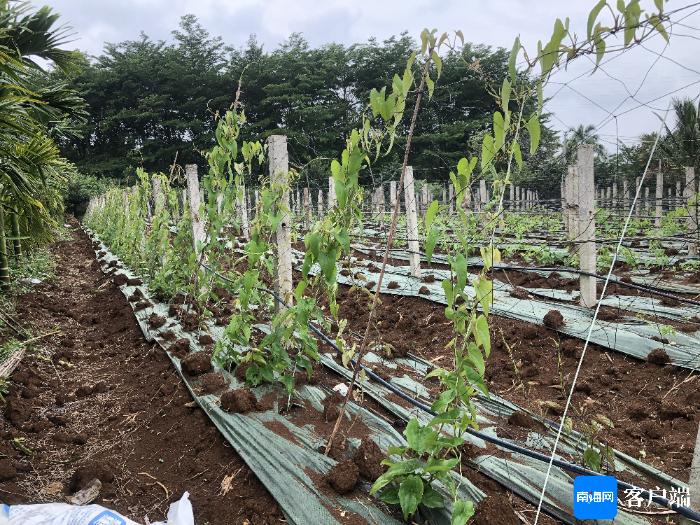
(495, 23)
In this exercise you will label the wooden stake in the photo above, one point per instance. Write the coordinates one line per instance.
(451, 196)
(392, 194)
(157, 194)
(411, 222)
(279, 176)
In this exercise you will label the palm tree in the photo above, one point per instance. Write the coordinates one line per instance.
(32, 113)
(582, 135)
(683, 142)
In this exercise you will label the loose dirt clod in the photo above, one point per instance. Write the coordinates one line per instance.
(343, 477)
(523, 420)
(7, 470)
(136, 296)
(584, 387)
(156, 321)
(83, 475)
(553, 319)
(608, 314)
(142, 305)
(134, 281)
(531, 332)
(213, 383)
(424, 290)
(658, 357)
(430, 278)
(638, 411)
(652, 430)
(238, 401)
(206, 339)
(120, 279)
(670, 301)
(181, 346)
(519, 293)
(571, 347)
(331, 406)
(368, 459)
(197, 363)
(393, 285)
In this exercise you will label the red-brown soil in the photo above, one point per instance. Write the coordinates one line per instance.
(531, 365)
(108, 405)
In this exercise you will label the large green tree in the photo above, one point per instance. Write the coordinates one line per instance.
(152, 100)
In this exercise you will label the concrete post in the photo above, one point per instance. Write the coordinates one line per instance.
(411, 221)
(691, 200)
(425, 198)
(242, 209)
(307, 208)
(331, 193)
(194, 198)
(587, 249)
(659, 197)
(279, 174)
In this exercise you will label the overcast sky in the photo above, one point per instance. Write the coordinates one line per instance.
(585, 99)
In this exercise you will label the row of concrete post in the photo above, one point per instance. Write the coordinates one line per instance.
(578, 208)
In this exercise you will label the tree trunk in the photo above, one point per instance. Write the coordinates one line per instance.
(4, 263)
(16, 242)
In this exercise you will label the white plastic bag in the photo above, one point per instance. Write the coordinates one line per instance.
(180, 513)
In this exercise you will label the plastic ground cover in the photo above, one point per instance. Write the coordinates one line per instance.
(521, 474)
(630, 336)
(282, 465)
(524, 476)
(639, 276)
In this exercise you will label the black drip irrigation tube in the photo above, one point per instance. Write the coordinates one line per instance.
(565, 465)
(645, 288)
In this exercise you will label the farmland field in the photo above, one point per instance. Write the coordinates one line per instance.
(403, 330)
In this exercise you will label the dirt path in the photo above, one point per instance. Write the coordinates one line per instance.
(98, 401)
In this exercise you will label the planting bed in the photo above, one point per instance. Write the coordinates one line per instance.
(99, 401)
(536, 330)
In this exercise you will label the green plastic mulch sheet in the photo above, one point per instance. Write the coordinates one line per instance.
(639, 254)
(284, 465)
(281, 464)
(631, 336)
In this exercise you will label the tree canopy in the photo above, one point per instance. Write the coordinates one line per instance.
(150, 100)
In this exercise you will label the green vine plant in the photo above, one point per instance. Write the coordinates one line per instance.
(419, 473)
(434, 447)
